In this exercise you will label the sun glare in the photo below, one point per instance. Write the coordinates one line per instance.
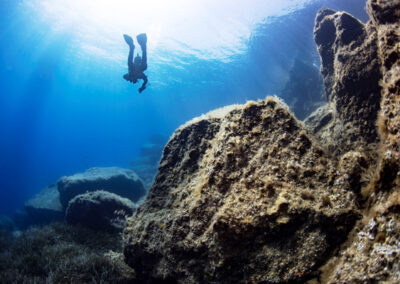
(208, 28)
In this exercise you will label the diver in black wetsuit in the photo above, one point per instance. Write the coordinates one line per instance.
(137, 66)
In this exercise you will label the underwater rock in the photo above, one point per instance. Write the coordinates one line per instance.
(243, 194)
(45, 207)
(320, 118)
(6, 224)
(99, 210)
(123, 182)
(351, 72)
(372, 253)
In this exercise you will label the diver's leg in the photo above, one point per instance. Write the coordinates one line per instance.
(142, 40)
(144, 58)
(129, 41)
(130, 56)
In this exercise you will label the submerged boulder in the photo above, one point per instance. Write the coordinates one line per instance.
(123, 182)
(243, 194)
(99, 210)
(45, 207)
(351, 72)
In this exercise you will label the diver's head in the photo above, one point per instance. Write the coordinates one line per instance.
(126, 76)
(137, 60)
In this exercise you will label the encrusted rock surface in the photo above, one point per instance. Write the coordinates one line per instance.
(247, 195)
(371, 255)
(242, 194)
(45, 207)
(99, 210)
(350, 68)
(123, 182)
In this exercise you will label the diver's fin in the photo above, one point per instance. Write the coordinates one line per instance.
(128, 40)
(142, 39)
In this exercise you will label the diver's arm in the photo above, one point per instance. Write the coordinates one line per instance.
(144, 77)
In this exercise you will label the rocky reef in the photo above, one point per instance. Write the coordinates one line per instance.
(123, 182)
(242, 193)
(248, 194)
(350, 68)
(45, 207)
(114, 189)
(100, 210)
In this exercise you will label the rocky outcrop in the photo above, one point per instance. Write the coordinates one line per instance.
(350, 67)
(100, 210)
(242, 194)
(247, 194)
(45, 207)
(122, 182)
(372, 252)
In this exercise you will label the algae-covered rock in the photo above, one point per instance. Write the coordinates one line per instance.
(123, 182)
(242, 194)
(99, 210)
(45, 207)
(371, 254)
(350, 68)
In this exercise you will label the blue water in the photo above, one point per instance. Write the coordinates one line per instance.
(64, 106)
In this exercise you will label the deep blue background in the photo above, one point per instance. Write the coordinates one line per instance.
(61, 113)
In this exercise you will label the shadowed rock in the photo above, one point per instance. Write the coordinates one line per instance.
(123, 182)
(350, 68)
(99, 210)
(242, 194)
(45, 207)
(372, 255)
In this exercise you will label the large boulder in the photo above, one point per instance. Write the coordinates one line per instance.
(45, 207)
(351, 72)
(123, 182)
(100, 210)
(243, 194)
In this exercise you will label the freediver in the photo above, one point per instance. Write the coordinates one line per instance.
(137, 66)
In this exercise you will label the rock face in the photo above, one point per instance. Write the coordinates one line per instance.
(242, 194)
(99, 210)
(116, 180)
(351, 71)
(247, 195)
(372, 253)
(45, 207)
